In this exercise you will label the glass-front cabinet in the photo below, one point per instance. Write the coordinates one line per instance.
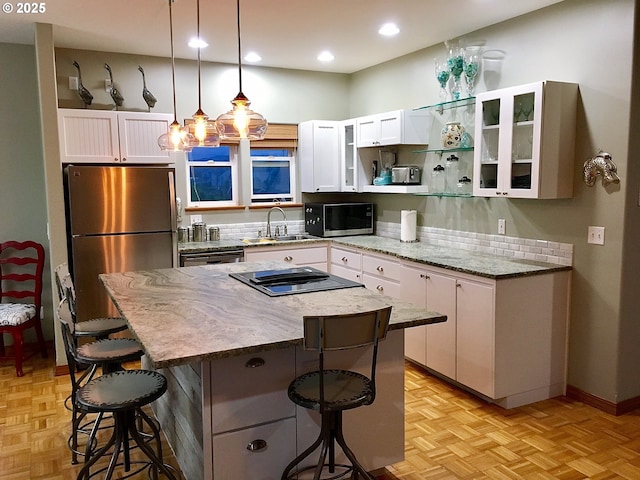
(524, 141)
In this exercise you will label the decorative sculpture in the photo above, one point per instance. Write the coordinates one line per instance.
(146, 94)
(85, 94)
(601, 164)
(113, 91)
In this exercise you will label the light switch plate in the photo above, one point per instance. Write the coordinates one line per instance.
(73, 83)
(196, 219)
(595, 235)
(502, 226)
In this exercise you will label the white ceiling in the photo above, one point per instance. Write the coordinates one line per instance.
(286, 33)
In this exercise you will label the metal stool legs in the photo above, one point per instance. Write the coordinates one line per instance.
(330, 434)
(124, 431)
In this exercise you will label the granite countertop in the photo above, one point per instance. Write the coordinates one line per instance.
(450, 258)
(456, 259)
(191, 314)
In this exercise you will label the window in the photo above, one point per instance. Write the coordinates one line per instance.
(272, 175)
(212, 176)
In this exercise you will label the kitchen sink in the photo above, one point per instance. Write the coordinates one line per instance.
(283, 238)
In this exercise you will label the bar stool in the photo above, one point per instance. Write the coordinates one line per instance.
(108, 354)
(98, 328)
(332, 391)
(123, 394)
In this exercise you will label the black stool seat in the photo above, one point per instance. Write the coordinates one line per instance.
(343, 390)
(100, 327)
(110, 350)
(123, 394)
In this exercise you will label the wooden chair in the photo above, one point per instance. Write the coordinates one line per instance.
(335, 390)
(21, 267)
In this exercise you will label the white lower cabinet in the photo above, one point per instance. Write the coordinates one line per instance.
(256, 453)
(505, 339)
(310, 255)
(345, 263)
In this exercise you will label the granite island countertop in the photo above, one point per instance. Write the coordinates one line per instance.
(191, 314)
(450, 258)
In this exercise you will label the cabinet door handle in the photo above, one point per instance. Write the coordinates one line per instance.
(124, 159)
(255, 362)
(257, 445)
(288, 258)
(424, 275)
(458, 285)
(380, 269)
(380, 288)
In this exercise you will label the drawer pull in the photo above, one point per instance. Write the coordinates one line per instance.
(424, 275)
(380, 269)
(257, 445)
(344, 259)
(380, 288)
(255, 362)
(288, 258)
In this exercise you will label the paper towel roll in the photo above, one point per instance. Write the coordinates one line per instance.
(408, 220)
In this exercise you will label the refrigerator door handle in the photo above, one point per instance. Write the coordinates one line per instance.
(172, 200)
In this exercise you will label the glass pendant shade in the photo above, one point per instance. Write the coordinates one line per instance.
(178, 139)
(241, 121)
(204, 131)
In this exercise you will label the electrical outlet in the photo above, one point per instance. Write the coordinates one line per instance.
(595, 235)
(502, 226)
(107, 84)
(196, 219)
(73, 83)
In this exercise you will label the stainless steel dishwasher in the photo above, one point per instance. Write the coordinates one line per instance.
(211, 258)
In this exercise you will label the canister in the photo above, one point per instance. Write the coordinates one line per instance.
(437, 180)
(183, 234)
(199, 232)
(214, 234)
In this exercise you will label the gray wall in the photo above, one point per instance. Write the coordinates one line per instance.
(23, 214)
(584, 41)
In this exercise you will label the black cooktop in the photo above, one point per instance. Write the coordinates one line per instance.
(293, 280)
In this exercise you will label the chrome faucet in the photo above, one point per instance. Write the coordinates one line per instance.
(284, 215)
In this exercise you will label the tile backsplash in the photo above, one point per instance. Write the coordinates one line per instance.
(518, 248)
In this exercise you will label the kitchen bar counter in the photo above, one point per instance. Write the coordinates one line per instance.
(229, 352)
(186, 315)
(450, 258)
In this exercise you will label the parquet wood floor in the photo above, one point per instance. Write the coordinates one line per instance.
(450, 434)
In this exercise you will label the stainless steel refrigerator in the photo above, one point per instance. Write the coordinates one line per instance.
(119, 219)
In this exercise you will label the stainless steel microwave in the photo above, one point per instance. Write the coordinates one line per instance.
(338, 219)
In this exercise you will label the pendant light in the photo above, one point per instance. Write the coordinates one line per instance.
(178, 137)
(204, 131)
(241, 121)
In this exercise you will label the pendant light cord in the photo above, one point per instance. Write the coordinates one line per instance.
(199, 48)
(239, 49)
(173, 62)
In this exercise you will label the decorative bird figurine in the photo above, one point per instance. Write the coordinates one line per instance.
(146, 94)
(85, 94)
(115, 94)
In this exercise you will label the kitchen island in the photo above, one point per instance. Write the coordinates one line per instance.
(229, 353)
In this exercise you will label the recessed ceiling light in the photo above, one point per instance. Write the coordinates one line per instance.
(325, 56)
(389, 30)
(198, 43)
(252, 57)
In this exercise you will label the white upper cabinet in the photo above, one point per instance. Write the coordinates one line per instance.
(99, 136)
(400, 127)
(525, 140)
(319, 152)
